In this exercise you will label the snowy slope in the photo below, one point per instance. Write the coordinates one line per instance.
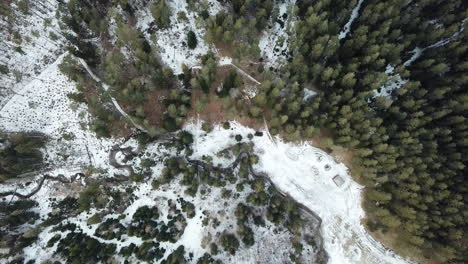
(37, 46)
(43, 106)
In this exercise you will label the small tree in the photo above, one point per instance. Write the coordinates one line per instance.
(191, 40)
(230, 243)
(161, 13)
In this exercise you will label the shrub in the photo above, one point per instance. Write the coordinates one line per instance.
(191, 40)
(230, 243)
(88, 196)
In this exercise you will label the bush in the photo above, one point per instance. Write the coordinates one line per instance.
(80, 248)
(21, 153)
(207, 127)
(88, 196)
(176, 257)
(150, 251)
(230, 243)
(161, 13)
(4, 69)
(191, 40)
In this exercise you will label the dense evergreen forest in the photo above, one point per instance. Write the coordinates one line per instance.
(411, 144)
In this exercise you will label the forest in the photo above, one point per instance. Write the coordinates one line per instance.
(391, 89)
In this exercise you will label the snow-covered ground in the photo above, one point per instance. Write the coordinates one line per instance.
(38, 48)
(43, 106)
(274, 42)
(172, 42)
(306, 173)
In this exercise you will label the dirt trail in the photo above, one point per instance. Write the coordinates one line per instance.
(114, 101)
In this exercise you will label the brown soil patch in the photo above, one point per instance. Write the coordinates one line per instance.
(247, 63)
(218, 110)
(154, 106)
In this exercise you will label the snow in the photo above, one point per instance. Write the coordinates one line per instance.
(39, 50)
(308, 93)
(417, 52)
(225, 61)
(347, 27)
(44, 106)
(291, 166)
(394, 81)
(275, 41)
(172, 41)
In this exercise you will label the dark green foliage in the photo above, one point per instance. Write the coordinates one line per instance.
(150, 251)
(188, 208)
(205, 259)
(161, 13)
(127, 251)
(79, 248)
(147, 163)
(240, 28)
(24, 6)
(20, 153)
(176, 257)
(214, 249)
(207, 75)
(145, 225)
(246, 235)
(17, 213)
(89, 196)
(53, 240)
(191, 40)
(233, 80)
(259, 199)
(229, 242)
(4, 69)
(145, 213)
(110, 229)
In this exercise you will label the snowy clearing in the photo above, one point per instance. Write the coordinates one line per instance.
(274, 42)
(301, 170)
(172, 42)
